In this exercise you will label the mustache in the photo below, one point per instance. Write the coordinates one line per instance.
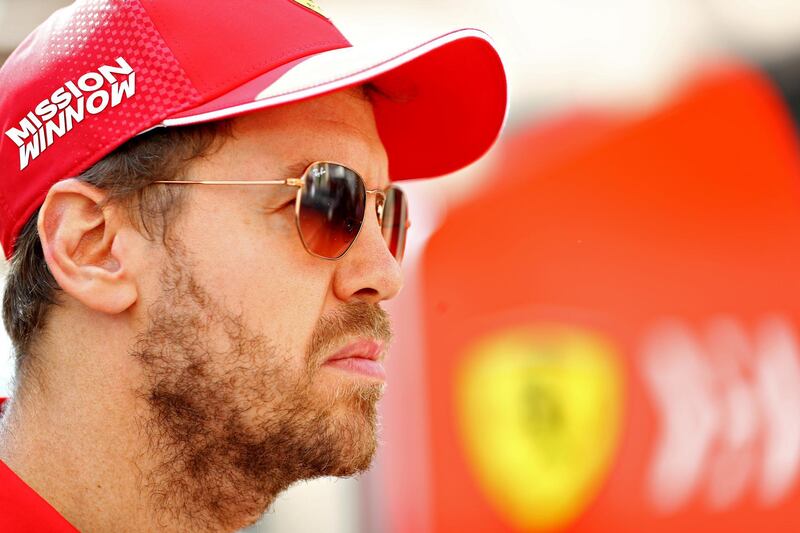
(353, 320)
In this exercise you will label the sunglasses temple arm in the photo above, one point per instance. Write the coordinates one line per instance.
(291, 182)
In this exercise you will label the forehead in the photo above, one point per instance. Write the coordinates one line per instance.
(336, 127)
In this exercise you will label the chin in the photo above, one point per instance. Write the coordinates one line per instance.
(356, 422)
(355, 463)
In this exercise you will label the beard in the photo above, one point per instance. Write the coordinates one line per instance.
(231, 421)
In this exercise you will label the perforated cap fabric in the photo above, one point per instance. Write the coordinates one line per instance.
(100, 72)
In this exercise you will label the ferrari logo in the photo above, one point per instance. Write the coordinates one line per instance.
(540, 411)
(312, 5)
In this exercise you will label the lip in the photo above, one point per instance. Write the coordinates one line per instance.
(362, 357)
(361, 349)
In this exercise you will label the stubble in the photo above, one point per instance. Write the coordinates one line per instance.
(230, 423)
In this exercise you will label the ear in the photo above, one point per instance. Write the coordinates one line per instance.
(84, 246)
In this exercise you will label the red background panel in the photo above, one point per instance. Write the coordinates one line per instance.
(688, 214)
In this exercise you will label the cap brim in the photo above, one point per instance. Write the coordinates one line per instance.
(439, 105)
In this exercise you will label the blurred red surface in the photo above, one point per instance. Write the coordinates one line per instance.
(614, 227)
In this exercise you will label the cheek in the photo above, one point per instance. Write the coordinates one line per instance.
(257, 268)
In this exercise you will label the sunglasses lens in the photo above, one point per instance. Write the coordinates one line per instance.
(332, 203)
(395, 216)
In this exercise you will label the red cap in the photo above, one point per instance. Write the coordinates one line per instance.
(100, 72)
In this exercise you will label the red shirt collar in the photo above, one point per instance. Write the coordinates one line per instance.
(23, 509)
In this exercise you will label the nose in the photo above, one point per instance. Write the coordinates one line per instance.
(368, 271)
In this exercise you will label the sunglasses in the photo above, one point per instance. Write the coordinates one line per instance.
(330, 207)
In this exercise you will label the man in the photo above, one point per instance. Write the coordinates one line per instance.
(197, 207)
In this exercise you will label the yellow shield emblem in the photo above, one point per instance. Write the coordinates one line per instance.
(540, 412)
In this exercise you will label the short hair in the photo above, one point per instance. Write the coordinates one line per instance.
(125, 175)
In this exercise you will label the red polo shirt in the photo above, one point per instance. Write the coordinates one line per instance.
(21, 509)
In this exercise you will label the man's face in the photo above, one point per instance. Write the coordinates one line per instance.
(241, 320)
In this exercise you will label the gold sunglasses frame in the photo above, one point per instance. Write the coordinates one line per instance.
(380, 199)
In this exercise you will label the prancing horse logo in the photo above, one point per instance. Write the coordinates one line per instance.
(312, 5)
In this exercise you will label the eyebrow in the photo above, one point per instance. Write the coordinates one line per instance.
(295, 170)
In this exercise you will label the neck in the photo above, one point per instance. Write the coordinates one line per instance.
(92, 461)
(86, 457)
(78, 454)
